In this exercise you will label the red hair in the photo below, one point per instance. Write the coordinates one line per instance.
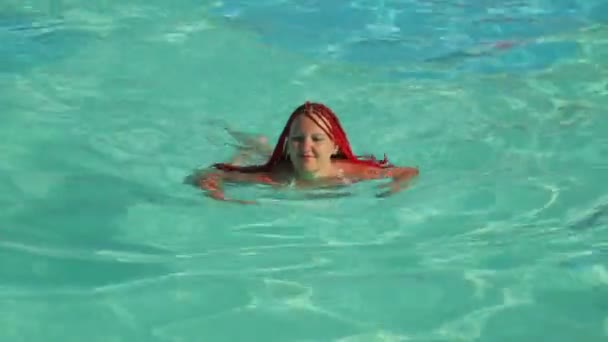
(336, 133)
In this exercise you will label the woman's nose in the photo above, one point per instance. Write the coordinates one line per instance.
(306, 143)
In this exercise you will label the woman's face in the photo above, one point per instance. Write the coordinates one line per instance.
(309, 147)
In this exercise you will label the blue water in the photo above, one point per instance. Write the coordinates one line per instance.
(106, 107)
(393, 33)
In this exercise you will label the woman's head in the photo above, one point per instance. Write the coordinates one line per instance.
(310, 143)
(311, 138)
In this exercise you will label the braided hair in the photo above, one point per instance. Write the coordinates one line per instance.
(313, 111)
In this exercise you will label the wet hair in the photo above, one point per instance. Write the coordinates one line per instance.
(313, 111)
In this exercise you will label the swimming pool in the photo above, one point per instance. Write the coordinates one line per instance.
(106, 107)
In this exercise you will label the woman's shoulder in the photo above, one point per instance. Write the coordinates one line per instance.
(361, 170)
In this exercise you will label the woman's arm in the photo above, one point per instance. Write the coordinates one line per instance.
(400, 179)
(211, 182)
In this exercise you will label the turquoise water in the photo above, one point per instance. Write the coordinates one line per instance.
(105, 107)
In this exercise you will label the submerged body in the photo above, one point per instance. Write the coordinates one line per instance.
(313, 151)
(346, 173)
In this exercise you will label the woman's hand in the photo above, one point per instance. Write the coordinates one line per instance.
(391, 187)
(400, 179)
(219, 196)
(211, 183)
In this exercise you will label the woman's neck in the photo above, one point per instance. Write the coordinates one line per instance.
(321, 174)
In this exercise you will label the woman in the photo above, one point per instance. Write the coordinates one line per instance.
(312, 151)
